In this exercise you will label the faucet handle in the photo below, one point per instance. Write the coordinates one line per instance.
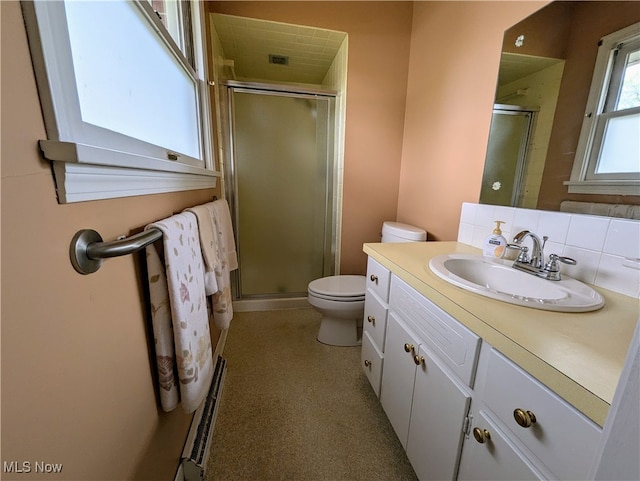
(552, 268)
(523, 257)
(565, 260)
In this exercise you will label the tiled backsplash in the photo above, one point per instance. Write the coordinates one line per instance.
(607, 249)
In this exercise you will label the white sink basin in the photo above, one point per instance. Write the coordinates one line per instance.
(504, 283)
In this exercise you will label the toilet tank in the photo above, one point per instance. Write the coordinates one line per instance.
(399, 232)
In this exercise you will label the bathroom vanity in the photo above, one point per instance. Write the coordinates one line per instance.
(480, 389)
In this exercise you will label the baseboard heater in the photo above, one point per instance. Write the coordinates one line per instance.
(197, 446)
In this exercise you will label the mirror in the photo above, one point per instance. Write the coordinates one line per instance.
(545, 74)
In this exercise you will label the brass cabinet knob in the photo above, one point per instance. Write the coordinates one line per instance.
(418, 359)
(524, 418)
(367, 363)
(371, 319)
(409, 347)
(373, 278)
(481, 435)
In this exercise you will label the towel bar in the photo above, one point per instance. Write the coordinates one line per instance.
(87, 249)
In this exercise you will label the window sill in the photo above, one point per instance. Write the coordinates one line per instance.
(84, 172)
(631, 187)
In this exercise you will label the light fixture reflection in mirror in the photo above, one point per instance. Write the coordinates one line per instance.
(545, 73)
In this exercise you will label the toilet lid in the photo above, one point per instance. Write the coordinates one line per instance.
(339, 287)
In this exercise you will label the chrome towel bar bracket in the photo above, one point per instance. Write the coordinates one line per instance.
(87, 249)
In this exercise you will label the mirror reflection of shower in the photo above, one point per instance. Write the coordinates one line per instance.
(507, 155)
(526, 98)
(280, 105)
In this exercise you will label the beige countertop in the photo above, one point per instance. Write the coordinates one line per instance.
(578, 355)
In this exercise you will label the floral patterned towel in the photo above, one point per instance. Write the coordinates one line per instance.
(188, 367)
(209, 244)
(162, 331)
(227, 261)
(222, 218)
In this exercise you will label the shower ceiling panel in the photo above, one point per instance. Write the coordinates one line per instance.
(514, 66)
(249, 42)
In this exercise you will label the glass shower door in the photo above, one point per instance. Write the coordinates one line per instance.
(506, 157)
(282, 177)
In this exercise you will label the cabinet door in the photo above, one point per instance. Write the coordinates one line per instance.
(396, 391)
(371, 360)
(439, 409)
(455, 345)
(564, 439)
(494, 460)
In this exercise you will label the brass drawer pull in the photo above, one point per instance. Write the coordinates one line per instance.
(481, 435)
(371, 319)
(418, 359)
(408, 347)
(524, 418)
(367, 363)
(373, 278)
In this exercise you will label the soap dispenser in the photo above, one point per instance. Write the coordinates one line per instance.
(495, 244)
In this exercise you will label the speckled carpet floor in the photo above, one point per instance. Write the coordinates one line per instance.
(295, 409)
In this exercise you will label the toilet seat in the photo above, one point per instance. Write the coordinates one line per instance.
(339, 288)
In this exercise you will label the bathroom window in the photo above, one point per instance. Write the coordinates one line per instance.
(608, 154)
(175, 16)
(124, 96)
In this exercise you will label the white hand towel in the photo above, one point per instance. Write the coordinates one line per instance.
(208, 242)
(189, 318)
(227, 261)
(222, 216)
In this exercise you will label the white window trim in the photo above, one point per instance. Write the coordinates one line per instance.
(90, 172)
(578, 182)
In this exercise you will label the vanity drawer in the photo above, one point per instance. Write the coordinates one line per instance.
(456, 345)
(378, 279)
(371, 362)
(494, 460)
(375, 318)
(561, 437)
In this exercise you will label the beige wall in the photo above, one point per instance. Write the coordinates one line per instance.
(455, 55)
(378, 59)
(77, 384)
(447, 87)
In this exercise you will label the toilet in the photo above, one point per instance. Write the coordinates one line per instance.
(340, 299)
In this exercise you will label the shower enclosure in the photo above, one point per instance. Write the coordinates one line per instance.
(279, 183)
(505, 164)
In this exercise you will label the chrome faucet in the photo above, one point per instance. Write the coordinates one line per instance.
(536, 260)
(535, 263)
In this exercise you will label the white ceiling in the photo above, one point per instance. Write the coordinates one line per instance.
(515, 66)
(249, 42)
(310, 51)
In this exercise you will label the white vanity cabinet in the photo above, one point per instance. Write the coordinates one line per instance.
(374, 324)
(531, 430)
(466, 410)
(425, 400)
